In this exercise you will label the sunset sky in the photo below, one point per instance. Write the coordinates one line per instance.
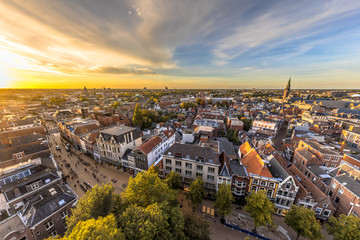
(179, 44)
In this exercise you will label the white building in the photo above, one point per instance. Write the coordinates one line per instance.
(113, 142)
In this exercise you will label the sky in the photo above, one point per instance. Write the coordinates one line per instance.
(179, 44)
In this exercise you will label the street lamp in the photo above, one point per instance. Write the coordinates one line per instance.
(352, 206)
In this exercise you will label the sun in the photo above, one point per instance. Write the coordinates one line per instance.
(5, 78)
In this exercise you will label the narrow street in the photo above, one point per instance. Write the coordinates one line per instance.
(280, 136)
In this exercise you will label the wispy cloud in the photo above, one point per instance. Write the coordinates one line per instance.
(73, 36)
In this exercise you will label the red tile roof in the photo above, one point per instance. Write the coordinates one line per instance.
(169, 133)
(147, 147)
(245, 148)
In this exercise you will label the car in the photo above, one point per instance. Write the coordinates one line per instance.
(67, 149)
(58, 148)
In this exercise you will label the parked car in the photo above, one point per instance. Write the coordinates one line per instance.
(58, 148)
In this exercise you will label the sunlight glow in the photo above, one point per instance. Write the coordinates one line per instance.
(5, 78)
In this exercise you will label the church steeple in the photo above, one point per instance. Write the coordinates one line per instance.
(287, 90)
(288, 84)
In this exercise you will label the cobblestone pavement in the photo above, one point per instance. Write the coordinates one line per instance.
(94, 174)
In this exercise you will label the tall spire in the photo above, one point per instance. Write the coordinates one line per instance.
(287, 90)
(288, 84)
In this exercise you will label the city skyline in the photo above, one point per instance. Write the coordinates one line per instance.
(187, 44)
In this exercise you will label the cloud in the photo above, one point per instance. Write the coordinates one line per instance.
(72, 36)
(281, 24)
(119, 70)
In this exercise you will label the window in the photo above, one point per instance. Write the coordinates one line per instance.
(53, 233)
(263, 183)
(254, 188)
(280, 192)
(333, 185)
(23, 238)
(65, 225)
(210, 178)
(63, 214)
(168, 168)
(337, 200)
(178, 163)
(35, 186)
(255, 181)
(325, 205)
(178, 170)
(168, 161)
(199, 167)
(48, 224)
(199, 174)
(271, 185)
(188, 165)
(211, 170)
(318, 210)
(61, 202)
(341, 191)
(327, 213)
(269, 193)
(188, 173)
(52, 191)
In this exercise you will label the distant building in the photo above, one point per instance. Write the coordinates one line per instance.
(287, 90)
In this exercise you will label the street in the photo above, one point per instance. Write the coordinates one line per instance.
(86, 171)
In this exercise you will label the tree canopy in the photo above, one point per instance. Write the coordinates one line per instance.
(260, 208)
(103, 228)
(197, 191)
(224, 198)
(147, 209)
(96, 203)
(173, 180)
(137, 117)
(304, 223)
(344, 227)
(147, 188)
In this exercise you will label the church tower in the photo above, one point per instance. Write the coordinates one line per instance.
(287, 90)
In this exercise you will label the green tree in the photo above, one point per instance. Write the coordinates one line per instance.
(196, 228)
(173, 180)
(224, 198)
(103, 228)
(96, 203)
(116, 104)
(304, 223)
(198, 101)
(344, 227)
(137, 117)
(147, 188)
(260, 208)
(197, 191)
(145, 223)
(247, 123)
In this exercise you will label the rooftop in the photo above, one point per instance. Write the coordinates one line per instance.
(193, 152)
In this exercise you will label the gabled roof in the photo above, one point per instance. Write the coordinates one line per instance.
(169, 133)
(255, 165)
(316, 193)
(245, 148)
(224, 170)
(147, 147)
(85, 129)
